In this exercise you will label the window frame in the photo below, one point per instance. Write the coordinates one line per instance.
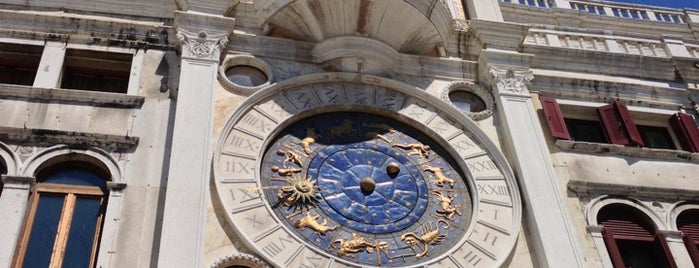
(616, 119)
(70, 194)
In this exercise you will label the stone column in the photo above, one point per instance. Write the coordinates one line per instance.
(552, 239)
(13, 204)
(111, 219)
(50, 66)
(202, 39)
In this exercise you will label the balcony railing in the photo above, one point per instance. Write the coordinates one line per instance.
(533, 3)
(602, 43)
(602, 8)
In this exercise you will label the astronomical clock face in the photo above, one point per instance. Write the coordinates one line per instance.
(308, 183)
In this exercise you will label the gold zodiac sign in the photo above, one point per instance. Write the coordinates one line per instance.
(440, 179)
(429, 236)
(286, 171)
(357, 244)
(345, 128)
(375, 135)
(417, 148)
(447, 210)
(309, 140)
(312, 223)
(289, 156)
(298, 191)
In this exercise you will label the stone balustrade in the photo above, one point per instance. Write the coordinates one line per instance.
(533, 3)
(602, 43)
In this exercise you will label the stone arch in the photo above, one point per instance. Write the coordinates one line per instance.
(597, 204)
(63, 153)
(9, 159)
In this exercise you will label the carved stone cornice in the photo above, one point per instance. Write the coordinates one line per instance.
(510, 81)
(203, 36)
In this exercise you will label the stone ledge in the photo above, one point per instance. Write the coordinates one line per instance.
(598, 188)
(74, 139)
(95, 98)
(615, 149)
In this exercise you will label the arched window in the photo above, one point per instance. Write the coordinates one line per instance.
(688, 224)
(64, 218)
(631, 238)
(3, 171)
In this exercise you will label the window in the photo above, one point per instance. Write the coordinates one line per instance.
(96, 71)
(585, 130)
(614, 124)
(18, 63)
(631, 238)
(688, 224)
(64, 219)
(3, 171)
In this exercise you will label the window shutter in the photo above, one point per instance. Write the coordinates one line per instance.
(554, 118)
(612, 125)
(692, 249)
(630, 127)
(686, 131)
(665, 250)
(612, 249)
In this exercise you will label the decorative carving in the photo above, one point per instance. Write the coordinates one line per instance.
(429, 236)
(240, 259)
(312, 223)
(447, 210)
(202, 45)
(476, 89)
(298, 191)
(511, 81)
(309, 140)
(417, 148)
(286, 171)
(357, 244)
(289, 156)
(440, 178)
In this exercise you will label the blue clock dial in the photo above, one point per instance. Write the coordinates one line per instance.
(366, 189)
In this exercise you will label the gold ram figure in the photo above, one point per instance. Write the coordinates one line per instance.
(312, 223)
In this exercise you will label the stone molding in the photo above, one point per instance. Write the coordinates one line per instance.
(244, 60)
(615, 149)
(71, 138)
(510, 81)
(476, 89)
(96, 98)
(83, 29)
(582, 187)
(240, 259)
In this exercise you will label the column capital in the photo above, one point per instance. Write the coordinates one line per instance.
(18, 180)
(510, 81)
(203, 36)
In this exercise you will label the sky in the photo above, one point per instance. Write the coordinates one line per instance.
(665, 3)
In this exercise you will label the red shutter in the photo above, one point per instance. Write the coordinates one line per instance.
(612, 125)
(554, 118)
(686, 131)
(612, 249)
(665, 250)
(692, 249)
(628, 123)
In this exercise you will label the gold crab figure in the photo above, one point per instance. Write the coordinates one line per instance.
(311, 222)
(299, 190)
(429, 236)
(447, 210)
(357, 244)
